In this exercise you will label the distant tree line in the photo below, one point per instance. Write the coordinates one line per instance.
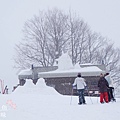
(52, 32)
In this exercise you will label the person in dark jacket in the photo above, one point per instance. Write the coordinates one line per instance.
(103, 87)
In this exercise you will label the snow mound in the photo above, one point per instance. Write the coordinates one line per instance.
(29, 84)
(41, 83)
(26, 89)
(77, 66)
(40, 88)
(64, 62)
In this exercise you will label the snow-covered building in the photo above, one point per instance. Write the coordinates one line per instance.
(62, 76)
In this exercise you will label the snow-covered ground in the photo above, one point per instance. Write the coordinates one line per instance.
(41, 102)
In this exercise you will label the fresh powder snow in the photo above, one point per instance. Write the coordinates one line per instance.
(41, 102)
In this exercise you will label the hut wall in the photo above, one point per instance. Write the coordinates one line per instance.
(64, 85)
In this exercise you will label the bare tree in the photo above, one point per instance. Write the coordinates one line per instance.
(77, 40)
(44, 38)
(94, 42)
(34, 43)
(110, 56)
(50, 33)
(57, 32)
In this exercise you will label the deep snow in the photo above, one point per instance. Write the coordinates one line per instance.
(40, 102)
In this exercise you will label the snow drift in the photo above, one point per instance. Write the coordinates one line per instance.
(40, 88)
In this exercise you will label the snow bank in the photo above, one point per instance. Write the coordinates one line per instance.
(27, 88)
(29, 84)
(41, 84)
(40, 88)
(49, 107)
(43, 105)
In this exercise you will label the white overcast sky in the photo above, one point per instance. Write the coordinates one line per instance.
(103, 16)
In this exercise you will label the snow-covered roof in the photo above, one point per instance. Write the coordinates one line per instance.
(64, 62)
(25, 72)
(65, 69)
(87, 64)
(86, 71)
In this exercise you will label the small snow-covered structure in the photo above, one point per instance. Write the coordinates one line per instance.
(32, 73)
(62, 76)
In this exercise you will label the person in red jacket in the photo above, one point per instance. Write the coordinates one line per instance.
(103, 87)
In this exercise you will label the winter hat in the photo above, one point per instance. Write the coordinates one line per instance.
(107, 73)
(79, 75)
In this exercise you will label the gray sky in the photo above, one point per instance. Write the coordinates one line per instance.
(101, 15)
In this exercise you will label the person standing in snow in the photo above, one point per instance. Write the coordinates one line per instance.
(80, 85)
(103, 87)
(111, 88)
